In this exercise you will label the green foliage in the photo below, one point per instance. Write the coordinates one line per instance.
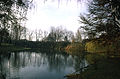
(6, 44)
(44, 46)
(5, 47)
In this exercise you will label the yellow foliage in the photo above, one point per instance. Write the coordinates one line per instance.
(74, 48)
(92, 58)
(100, 47)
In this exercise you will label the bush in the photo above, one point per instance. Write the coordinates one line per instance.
(74, 48)
(103, 46)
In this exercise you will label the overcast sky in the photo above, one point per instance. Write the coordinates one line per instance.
(52, 13)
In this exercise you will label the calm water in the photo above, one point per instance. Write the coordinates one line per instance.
(32, 65)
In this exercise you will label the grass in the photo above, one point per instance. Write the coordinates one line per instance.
(10, 47)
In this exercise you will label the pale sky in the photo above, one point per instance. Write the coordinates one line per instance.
(52, 13)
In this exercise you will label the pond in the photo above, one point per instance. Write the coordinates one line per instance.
(38, 65)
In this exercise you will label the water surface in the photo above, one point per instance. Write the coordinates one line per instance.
(38, 65)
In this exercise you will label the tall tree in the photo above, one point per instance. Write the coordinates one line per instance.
(30, 35)
(100, 19)
(12, 12)
(59, 34)
(78, 36)
(68, 35)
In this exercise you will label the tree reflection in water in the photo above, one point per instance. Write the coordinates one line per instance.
(32, 65)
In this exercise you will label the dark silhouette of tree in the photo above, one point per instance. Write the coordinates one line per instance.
(4, 35)
(45, 34)
(68, 35)
(39, 34)
(54, 35)
(101, 19)
(12, 13)
(78, 36)
(30, 35)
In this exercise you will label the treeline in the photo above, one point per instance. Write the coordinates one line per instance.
(41, 45)
(12, 28)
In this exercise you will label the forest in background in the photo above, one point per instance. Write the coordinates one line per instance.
(101, 24)
(13, 31)
(100, 29)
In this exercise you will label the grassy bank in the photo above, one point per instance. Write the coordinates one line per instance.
(101, 67)
(40, 46)
(103, 59)
(100, 45)
(10, 48)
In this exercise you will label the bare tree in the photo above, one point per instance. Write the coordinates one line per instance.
(24, 33)
(68, 35)
(78, 37)
(38, 34)
(58, 34)
(45, 34)
(30, 35)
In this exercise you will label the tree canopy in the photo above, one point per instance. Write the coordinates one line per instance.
(103, 18)
(12, 14)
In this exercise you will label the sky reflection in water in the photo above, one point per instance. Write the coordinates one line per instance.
(32, 65)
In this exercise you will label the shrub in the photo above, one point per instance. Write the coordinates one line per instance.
(74, 48)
